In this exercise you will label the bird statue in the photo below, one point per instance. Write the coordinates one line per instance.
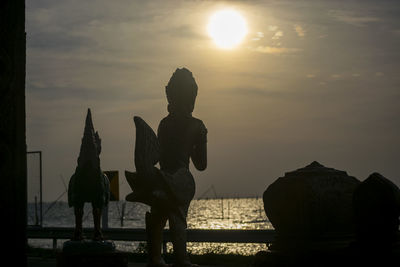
(88, 183)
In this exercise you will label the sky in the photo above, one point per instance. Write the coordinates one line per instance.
(311, 80)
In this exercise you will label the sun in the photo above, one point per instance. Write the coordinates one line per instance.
(227, 28)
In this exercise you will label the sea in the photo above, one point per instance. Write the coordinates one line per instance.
(217, 213)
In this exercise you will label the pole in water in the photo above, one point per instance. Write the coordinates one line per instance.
(229, 207)
(123, 214)
(222, 207)
(36, 213)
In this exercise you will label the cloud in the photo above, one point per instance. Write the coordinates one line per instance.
(59, 41)
(259, 36)
(263, 92)
(277, 35)
(299, 30)
(276, 50)
(272, 28)
(352, 18)
(55, 93)
(116, 57)
(184, 32)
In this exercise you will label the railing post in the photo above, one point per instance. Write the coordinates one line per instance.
(54, 244)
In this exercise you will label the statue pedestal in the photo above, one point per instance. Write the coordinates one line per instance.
(91, 253)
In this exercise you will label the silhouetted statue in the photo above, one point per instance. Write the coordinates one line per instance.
(88, 183)
(377, 211)
(169, 190)
(310, 202)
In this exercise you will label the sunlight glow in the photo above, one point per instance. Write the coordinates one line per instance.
(227, 28)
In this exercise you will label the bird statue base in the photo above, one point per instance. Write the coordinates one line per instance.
(91, 253)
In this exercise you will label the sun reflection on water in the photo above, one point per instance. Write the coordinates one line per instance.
(242, 213)
(230, 213)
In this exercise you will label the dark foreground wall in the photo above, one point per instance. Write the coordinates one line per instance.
(12, 132)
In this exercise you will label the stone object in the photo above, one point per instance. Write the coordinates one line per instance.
(311, 202)
(146, 183)
(147, 147)
(89, 183)
(91, 253)
(377, 210)
(88, 246)
(150, 185)
(169, 189)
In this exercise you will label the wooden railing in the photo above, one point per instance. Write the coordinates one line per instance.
(133, 234)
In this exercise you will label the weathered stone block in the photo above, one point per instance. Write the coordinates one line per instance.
(377, 210)
(311, 201)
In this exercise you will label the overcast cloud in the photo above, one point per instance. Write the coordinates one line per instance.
(313, 80)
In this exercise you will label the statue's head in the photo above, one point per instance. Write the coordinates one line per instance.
(89, 155)
(181, 92)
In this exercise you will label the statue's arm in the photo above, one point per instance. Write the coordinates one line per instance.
(199, 152)
(199, 156)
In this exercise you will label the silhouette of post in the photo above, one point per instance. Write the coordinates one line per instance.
(12, 129)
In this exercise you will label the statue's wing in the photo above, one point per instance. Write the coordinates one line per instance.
(138, 194)
(132, 179)
(147, 148)
(71, 191)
